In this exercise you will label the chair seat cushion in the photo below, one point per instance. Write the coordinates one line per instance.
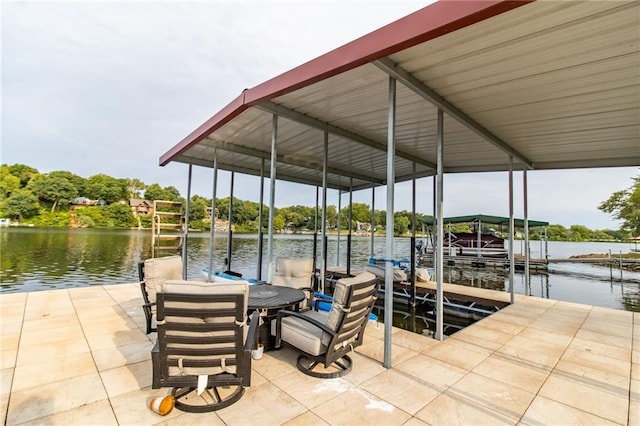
(304, 335)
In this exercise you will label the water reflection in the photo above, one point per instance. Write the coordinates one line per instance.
(41, 259)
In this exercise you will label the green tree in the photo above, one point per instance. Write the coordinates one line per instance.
(77, 181)
(278, 222)
(580, 233)
(119, 215)
(198, 208)
(107, 188)
(135, 187)
(53, 188)
(625, 206)
(23, 172)
(8, 182)
(21, 205)
(557, 233)
(400, 224)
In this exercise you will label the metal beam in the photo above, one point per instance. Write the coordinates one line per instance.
(248, 171)
(421, 89)
(284, 159)
(338, 131)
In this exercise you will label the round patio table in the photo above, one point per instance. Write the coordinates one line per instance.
(267, 296)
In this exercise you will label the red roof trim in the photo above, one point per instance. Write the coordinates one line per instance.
(428, 23)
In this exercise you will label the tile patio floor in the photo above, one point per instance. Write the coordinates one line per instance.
(80, 356)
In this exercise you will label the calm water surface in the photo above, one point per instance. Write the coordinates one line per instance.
(42, 259)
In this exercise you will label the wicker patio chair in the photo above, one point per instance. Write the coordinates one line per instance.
(296, 272)
(325, 338)
(204, 343)
(152, 273)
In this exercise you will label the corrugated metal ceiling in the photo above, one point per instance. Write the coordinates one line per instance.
(557, 83)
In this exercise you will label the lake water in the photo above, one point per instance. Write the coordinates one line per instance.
(43, 259)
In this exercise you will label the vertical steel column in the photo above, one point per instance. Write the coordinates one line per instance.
(350, 226)
(391, 179)
(439, 211)
(478, 252)
(527, 251)
(212, 231)
(373, 220)
(325, 165)
(186, 226)
(434, 229)
(229, 230)
(315, 240)
(260, 236)
(339, 226)
(413, 238)
(272, 196)
(512, 261)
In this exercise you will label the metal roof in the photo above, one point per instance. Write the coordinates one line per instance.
(554, 84)
(487, 219)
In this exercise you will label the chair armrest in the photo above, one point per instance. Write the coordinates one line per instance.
(253, 331)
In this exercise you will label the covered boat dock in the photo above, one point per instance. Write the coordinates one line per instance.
(455, 87)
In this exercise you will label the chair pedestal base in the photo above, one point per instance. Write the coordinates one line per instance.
(314, 368)
(213, 398)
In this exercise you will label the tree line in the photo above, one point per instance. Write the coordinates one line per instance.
(44, 199)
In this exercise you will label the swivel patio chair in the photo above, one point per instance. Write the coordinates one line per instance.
(152, 273)
(296, 272)
(325, 338)
(204, 344)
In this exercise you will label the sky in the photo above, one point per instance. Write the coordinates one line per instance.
(109, 86)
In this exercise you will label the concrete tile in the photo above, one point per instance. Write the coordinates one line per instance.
(265, 402)
(534, 353)
(363, 368)
(48, 352)
(36, 374)
(358, 407)
(485, 337)
(496, 396)
(132, 408)
(461, 354)
(414, 422)
(375, 330)
(192, 419)
(112, 357)
(128, 378)
(413, 341)
(432, 372)
(401, 390)
(48, 310)
(6, 379)
(545, 336)
(9, 341)
(10, 327)
(117, 338)
(306, 419)
(4, 404)
(52, 398)
(95, 413)
(499, 324)
(608, 327)
(375, 350)
(8, 358)
(39, 337)
(599, 362)
(277, 363)
(614, 352)
(311, 391)
(511, 372)
(634, 412)
(52, 323)
(453, 410)
(544, 411)
(596, 401)
(606, 339)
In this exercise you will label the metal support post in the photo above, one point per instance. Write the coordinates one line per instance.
(186, 225)
(512, 261)
(439, 212)
(260, 232)
(391, 178)
(212, 231)
(272, 197)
